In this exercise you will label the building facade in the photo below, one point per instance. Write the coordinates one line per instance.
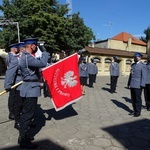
(123, 45)
(3, 67)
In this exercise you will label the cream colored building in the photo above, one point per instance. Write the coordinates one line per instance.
(123, 45)
(3, 55)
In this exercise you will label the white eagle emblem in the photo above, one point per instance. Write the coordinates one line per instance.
(69, 79)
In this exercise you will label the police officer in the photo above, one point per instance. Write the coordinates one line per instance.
(136, 82)
(83, 71)
(30, 88)
(147, 86)
(91, 72)
(114, 74)
(11, 98)
(96, 71)
(13, 76)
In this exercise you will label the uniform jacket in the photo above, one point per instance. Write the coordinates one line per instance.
(96, 69)
(83, 70)
(114, 69)
(9, 57)
(12, 75)
(92, 68)
(148, 73)
(29, 67)
(137, 78)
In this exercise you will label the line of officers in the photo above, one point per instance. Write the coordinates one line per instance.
(24, 65)
(87, 71)
(139, 79)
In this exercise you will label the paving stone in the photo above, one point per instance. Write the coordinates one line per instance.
(99, 121)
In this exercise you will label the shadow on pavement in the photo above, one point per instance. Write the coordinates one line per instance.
(5, 121)
(106, 89)
(127, 99)
(122, 105)
(62, 114)
(42, 115)
(107, 83)
(133, 135)
(127, 88)
(42, 145)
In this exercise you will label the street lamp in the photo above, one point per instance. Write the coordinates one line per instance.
(7, 22)
(17, 24)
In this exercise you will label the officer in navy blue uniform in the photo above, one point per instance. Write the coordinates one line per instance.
(136, 83)
(11, 98)
(13, 76)
(114, 74)
(96, 71)
(83, 71)
(30, 88)
(92, 70)
(147, 86)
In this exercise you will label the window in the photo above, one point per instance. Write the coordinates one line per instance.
(128, 61)
(107, 60)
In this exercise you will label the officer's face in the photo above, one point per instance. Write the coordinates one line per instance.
(136, 58)
(34, 48)
(16, 50)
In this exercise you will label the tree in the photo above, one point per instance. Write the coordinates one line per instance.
(76, 34)
(47, 20)
(147, 33)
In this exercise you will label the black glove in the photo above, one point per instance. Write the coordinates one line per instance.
(128, 87)
(8, 89)
(48, 54)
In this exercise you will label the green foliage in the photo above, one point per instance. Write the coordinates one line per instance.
(147, 33)
(47, 20)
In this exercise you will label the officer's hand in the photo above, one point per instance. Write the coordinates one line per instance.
(8, 89)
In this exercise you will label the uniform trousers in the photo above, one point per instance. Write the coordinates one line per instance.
(28, 111)
(95, 78)
(136, 99)
(113, 83)
(11, 100)
(91, 80)
(17, 106)
(147, 95)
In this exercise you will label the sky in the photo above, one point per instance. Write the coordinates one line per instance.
(108, 18)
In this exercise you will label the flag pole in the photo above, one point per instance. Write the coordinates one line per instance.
(5, 91)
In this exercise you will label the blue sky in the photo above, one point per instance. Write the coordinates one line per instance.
(108, 18)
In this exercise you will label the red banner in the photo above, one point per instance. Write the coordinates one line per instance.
(63, 81)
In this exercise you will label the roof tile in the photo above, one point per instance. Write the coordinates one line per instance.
(123, 36)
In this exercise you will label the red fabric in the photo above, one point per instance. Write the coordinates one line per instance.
(63, 81)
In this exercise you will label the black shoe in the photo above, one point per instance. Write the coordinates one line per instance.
(148, 109)
(136, 115)
(143, 107)
(31, 138)
(33, 125)
(11, 116)
(17, 125)
(132, 113)
(28, 145)
(111, 91)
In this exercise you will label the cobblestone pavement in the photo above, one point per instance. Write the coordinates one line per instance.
(99, 121)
